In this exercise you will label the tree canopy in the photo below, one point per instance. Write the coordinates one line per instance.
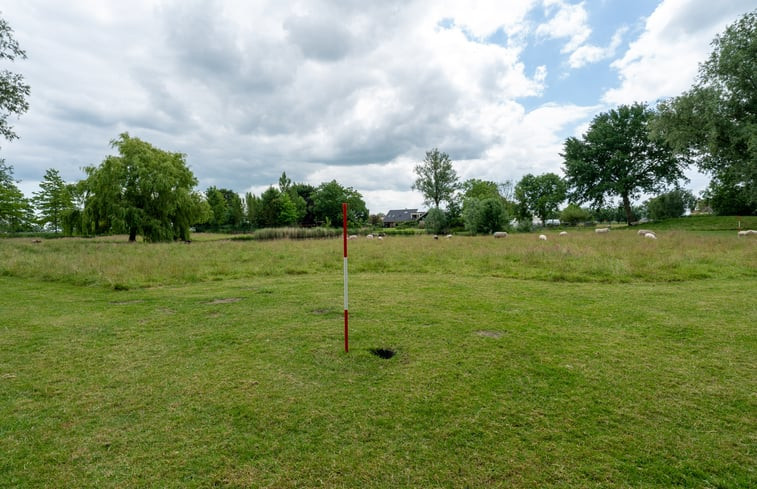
(618, 157)
(53, 201)
(143, 191)
(437, 179)
(540, 195)
(715, 122)
(15, 210)
(13, 90)
(327, 204)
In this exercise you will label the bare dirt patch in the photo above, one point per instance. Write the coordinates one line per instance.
(228, 300)
(490, 334)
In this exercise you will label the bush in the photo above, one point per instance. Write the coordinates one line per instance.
(573, 214)
(484, 215)
(525, 226)
(436, 221)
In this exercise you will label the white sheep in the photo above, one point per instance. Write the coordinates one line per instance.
(369, 236)
(500, 234)
(542, 237)
(352, 236)
(380, 238)
(448, 236)
(602, 230)
(650, 236)
(563, 233)
(747, 232)
(642, 232)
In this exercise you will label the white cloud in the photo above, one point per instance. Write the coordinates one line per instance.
(568, 22)
(663, 61)
(588, 53)
(353, 91)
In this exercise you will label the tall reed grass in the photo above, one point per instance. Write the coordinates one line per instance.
(620, 256)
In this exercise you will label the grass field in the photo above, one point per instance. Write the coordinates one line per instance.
(583, 361)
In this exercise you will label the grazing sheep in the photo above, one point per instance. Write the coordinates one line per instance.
(650, 236)
(563, 233)
(380, 238)
(448, 236)
(352, 236)
(542, 237)
(602, 230)
(436, 236)
(500, 234)
(642, 232)
(747, 232)
(369, 236)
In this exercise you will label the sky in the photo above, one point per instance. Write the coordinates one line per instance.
(348, 90)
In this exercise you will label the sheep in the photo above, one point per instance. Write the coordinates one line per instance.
(380, 238)
(436, 236)
(500, 234)
(563, 233)
(642, 232)
(542, 237)
(369, 236)
(650, 236)
(448, 236)
(352, 236)
(747, 232)
(602, 230)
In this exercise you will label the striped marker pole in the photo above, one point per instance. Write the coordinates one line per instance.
(346, 313)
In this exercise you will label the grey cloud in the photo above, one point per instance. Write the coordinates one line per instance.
(324, 39)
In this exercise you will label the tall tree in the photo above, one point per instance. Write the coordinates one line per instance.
(540, 195)
(327, 204)
(13, 90)
(145, 191)
(437, 179)
(618, 157)
(715, 123)
(53, 201)
(15, 210)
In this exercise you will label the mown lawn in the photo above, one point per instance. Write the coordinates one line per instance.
(592, 361)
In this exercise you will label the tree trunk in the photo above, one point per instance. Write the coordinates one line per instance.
(132, 234)
(627, 208)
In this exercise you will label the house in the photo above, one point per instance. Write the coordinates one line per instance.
(400, 216)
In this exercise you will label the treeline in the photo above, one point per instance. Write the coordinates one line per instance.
(145, 191)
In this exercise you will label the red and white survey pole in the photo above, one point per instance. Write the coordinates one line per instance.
(346, 313)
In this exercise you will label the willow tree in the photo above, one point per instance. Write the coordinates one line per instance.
(143, 191)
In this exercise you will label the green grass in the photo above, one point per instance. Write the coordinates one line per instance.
(583, 361)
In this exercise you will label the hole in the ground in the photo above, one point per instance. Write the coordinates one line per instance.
(382, 352)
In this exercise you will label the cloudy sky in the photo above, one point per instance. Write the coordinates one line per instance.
(350, 90)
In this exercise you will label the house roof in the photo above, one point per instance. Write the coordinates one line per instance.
(401, 215)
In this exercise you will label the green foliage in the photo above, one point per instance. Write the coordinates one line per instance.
(145, 191)
(671, 204)
(53, 201)
(714, 122)
(618, 157)
(13, 90)
(227, 210)
(437, 179)
(479, 189)
(436, 221)
(485, 215)
(16, 213)
(327, 205)
(574, 214)
(540, 195)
